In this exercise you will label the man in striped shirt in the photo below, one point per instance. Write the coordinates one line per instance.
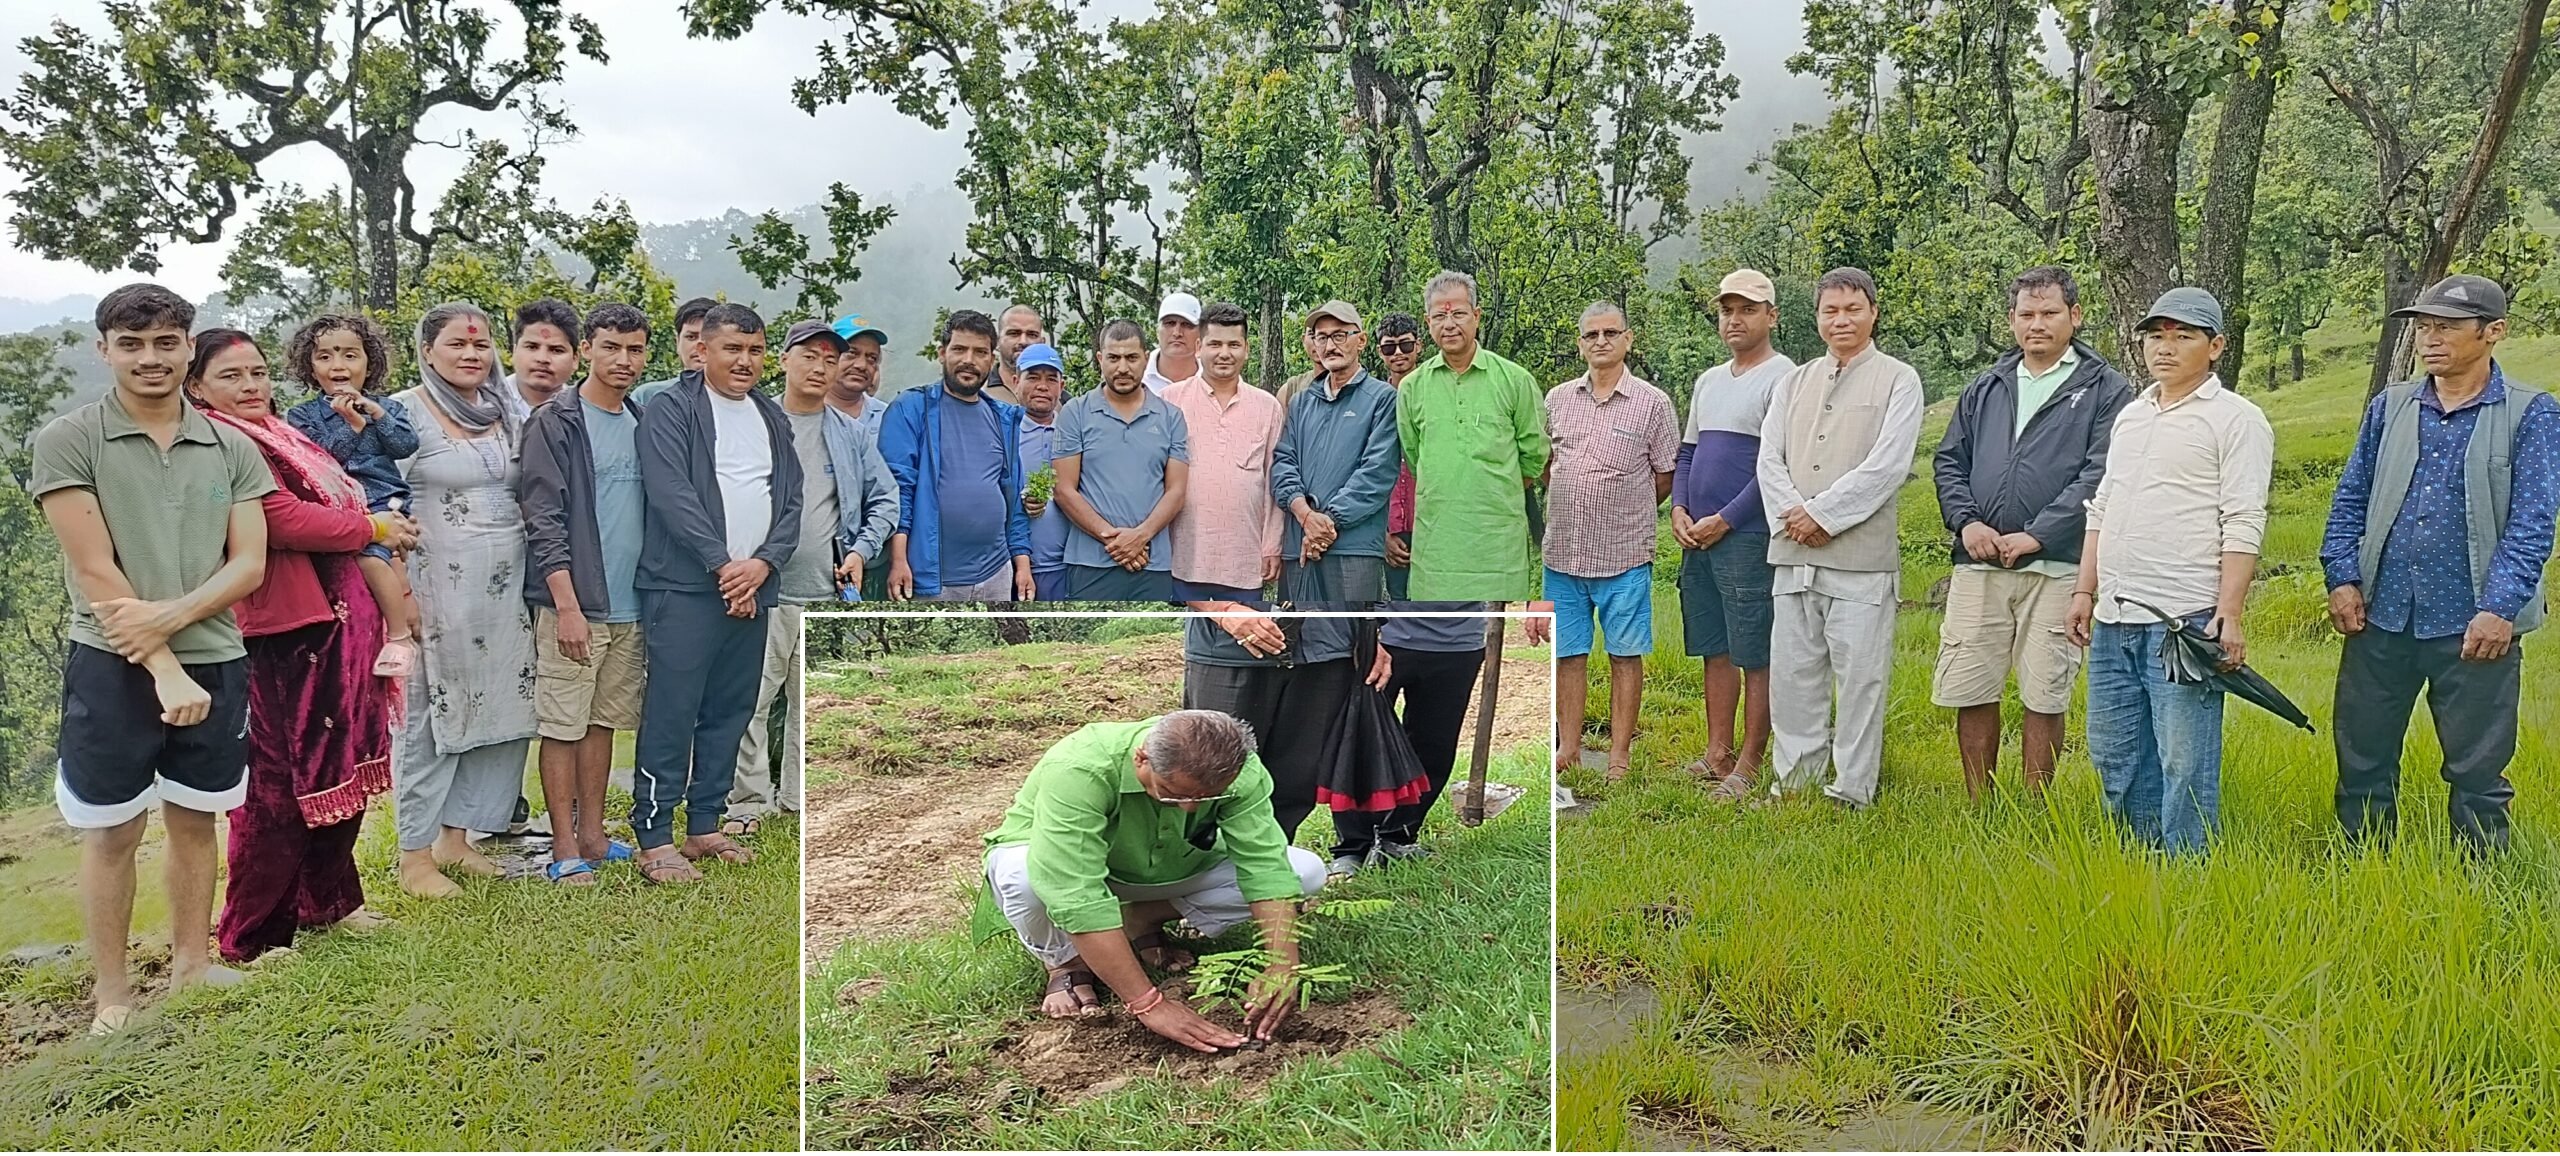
(1724, 533)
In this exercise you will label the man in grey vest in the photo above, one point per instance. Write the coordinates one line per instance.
(2434, 554)
(1833, 452)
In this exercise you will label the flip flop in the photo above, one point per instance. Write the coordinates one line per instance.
(617, 851)
(110, 1020)
(739, 827)
(668, 871)
(1068, 981)
(725, 850)
(564, 870)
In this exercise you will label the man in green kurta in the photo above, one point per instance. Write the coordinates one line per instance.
(1123, 828)
(1474, 427)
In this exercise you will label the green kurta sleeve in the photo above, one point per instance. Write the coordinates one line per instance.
(1070, 847)
(1251, 837)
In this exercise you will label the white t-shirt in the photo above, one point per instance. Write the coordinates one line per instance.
(742, 456)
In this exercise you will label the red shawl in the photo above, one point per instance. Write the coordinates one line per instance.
(342, 712)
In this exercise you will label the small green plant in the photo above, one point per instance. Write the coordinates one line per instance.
(1042, 482)
(1228, 976)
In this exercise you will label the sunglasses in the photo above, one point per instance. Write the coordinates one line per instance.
(1405, 345)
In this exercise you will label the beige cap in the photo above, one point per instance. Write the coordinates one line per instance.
(1748, 284)
(1338, 310)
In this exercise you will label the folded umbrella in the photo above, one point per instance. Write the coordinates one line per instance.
(1368, 764)
(2190, 658)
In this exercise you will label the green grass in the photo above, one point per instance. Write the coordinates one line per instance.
(1463, 951)
(2019, 964)
(520, 1016)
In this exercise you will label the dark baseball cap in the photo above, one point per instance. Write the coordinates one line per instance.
(2463, 296)
(809, 330)
(2186, 305)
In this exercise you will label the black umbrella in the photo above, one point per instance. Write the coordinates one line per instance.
(2190, 658)
(1368, 763)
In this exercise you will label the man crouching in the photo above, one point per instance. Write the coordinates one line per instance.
(1123, 828)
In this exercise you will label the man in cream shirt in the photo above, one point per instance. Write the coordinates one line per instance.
(1833, 452)
(2180, 513)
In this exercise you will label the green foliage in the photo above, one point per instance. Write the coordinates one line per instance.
(1042, 483)
(34, 604)
(1228, 976)
(776, 253)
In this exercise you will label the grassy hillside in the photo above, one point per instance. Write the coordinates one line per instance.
(522, 1015)
(2019, 967)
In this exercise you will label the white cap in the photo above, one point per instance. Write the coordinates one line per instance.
(1182, 305)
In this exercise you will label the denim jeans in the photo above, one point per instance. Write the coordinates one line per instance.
(2157, 744)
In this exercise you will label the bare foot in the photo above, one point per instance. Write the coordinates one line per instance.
(361, 920)
(419, 877)
(467, 860)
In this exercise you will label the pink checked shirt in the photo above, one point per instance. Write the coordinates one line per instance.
(1228, 523)
(1600, 480)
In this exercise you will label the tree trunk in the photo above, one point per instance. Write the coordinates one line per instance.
(2400, 285)
(1275, 348)
(2392, 351)
(377, 191)
(1012, 630)
(2133, 138)
(2297, 357)
(2231, 189)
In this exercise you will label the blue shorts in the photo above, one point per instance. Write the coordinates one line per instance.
(1624, 605)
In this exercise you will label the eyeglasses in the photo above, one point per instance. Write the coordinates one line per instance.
(1336, 336)
(1178, 799)
(1603, 334)
(1451, 315)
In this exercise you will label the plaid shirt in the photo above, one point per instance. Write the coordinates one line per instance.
(1600, 487)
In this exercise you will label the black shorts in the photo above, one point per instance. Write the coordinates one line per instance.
(117, 756)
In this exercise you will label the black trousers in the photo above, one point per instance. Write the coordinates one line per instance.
(2474, 706)
(1290, 708)
(1436, 687)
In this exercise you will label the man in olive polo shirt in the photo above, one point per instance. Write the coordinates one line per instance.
(1123, 828)
(158, 513)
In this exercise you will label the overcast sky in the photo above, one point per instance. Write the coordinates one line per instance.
(687, 128)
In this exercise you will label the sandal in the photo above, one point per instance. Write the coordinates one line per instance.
(1068, 981)
(1733, 788)
(573, 871)
(739, 826)
(719, 847)
(658, 869)
(110, 1020)
(1617, 772)
(617, 851)
(1165, 952)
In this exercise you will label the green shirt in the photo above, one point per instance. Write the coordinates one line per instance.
(1089, 824)
(167, 512)
(2035, 389)
(1472, 439)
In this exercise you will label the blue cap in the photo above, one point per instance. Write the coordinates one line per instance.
(1039, 354)
(851, 326)
(2186, 305)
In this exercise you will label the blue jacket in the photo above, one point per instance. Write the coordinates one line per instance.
(911, 441)
(688, 537)
(1343, 453)
(866, 493)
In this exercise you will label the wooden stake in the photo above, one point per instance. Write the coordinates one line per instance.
(1488, 693)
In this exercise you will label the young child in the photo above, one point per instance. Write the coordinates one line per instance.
(345, 360)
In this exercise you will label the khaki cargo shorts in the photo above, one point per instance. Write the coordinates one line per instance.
(2000, 621)
(604, 691)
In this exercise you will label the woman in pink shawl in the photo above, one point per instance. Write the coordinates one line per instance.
(319, 720)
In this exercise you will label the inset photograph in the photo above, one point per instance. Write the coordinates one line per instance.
(1254, 882)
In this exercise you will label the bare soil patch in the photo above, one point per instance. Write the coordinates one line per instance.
(33, 1020)
(1079, 1060)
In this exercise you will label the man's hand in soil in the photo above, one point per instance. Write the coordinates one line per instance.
(1174, 1020)
(1270, 999)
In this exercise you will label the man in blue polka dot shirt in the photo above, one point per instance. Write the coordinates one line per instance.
(2434, 555)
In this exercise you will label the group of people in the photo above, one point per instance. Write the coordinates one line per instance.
(2088, 519)
(1178, 481)
(280, 613)
(1123, 828)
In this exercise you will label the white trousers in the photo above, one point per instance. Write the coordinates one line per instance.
(753, 793)
(1821, 646)
(1210, 900)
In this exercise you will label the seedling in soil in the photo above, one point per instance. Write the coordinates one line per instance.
(1228, 976)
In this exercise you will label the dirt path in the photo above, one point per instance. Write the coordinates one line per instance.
(894, 842)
